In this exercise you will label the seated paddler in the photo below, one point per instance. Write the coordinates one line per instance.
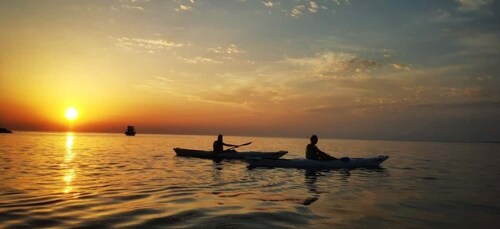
(314, 153)
(219, 145)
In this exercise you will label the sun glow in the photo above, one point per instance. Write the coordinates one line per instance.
(71, 113)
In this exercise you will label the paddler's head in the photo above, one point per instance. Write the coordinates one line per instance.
(219, 138)
(314, 139)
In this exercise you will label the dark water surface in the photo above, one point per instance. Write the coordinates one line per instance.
(60, 180)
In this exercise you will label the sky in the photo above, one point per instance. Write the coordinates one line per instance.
(402, 70)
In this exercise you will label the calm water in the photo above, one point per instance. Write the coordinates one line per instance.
(61, 180)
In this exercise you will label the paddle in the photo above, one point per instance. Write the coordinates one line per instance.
(248, 143)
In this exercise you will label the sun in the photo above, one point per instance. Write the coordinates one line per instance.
(71, 113)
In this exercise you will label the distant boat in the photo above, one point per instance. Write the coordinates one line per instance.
(130, 131)
(5, 131)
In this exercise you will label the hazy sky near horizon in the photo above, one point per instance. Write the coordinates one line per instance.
(424, 70)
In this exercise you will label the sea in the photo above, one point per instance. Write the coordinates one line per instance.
(95, 180)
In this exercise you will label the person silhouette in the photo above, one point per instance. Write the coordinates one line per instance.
(314, 153)
(219, 144)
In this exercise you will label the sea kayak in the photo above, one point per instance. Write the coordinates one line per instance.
(227, 155)
(367, 162)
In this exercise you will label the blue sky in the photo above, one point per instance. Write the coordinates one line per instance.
(422, 70)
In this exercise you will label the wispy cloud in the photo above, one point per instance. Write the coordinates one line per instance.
(480, 40)
(331, 64)
(145, 44)
(228, 54)
(268, 3)
(332, 81)
(231, 49)
(184, 5)
(473, 5)
(444, 16)
(229, 91)
(183, 8)
(297, 11)
(299, 8)
(130, 5)
(476, 43)
(401, 66)
(245, 95)
(163, 79)
(313, 8)
(200, 60)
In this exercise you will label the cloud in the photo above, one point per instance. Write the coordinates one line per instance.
(149, 45)
(400, 67)
(268, 3)
(229, 54)
(244, 94)
(298, 8)
(297, 11)
(336, 65)
(443, 16)
(200, 60)
(468, 92)
(132, 7)
(338, 2)
(378, 104)
(313, 7)
(230, 90)
(231, 49)
(164, 79)
(332, 80)
(476, 43)
(183, 8)
(184, 5)
(480, 40)
(473, 5)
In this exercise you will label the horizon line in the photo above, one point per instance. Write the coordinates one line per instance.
(266, 136)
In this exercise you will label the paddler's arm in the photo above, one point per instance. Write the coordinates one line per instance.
(229, 144)
(324, 155)
(319, 152)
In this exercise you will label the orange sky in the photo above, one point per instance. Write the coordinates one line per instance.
(291, 68)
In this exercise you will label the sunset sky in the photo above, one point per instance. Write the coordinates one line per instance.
(416, 70)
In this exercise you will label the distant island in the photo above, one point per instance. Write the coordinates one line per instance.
(5, 131)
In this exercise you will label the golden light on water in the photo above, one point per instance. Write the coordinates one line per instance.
(71, 113)
(70, 172)
(69, 176)
(69, 145)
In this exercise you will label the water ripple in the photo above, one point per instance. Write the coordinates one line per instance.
(61, 180)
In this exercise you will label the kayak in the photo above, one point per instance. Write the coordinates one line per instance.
(233, 154)
(367, 162)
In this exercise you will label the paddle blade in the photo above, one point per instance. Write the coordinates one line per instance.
(245, 144)
(248, 143)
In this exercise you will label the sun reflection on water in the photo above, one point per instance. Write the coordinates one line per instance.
(69, 146)
(69, 175)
